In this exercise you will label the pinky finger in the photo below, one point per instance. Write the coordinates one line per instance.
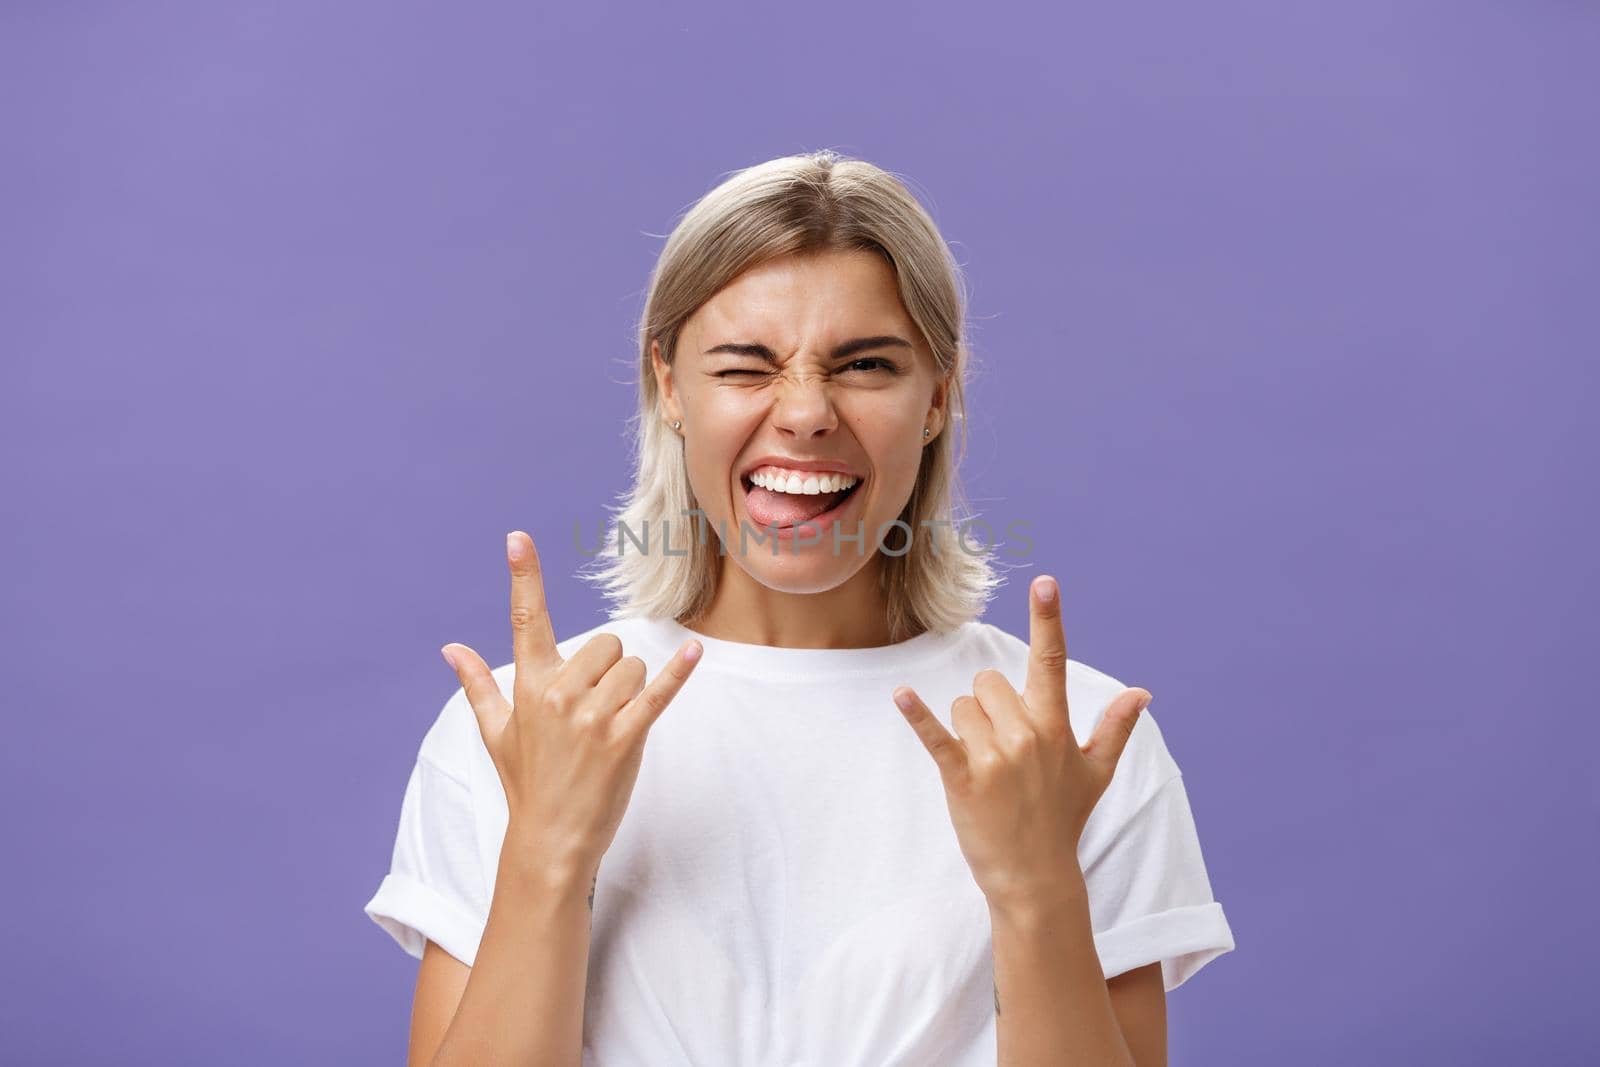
(945, 748)
(1112, 733)
(642, 712)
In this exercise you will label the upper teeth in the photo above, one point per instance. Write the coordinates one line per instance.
(810, 484)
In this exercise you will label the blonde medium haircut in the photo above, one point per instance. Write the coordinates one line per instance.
(798, 204)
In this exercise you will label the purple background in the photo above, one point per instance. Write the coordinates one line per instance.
(1281, 317)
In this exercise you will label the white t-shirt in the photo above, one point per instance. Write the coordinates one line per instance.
(786, 886)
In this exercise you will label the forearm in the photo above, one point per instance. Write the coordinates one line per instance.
(523, 1001)
(1052, 1006)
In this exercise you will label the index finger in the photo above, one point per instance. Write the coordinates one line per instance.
(1046, 687)
(533, 640)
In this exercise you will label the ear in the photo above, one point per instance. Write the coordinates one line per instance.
(938, 407)
(671, 409)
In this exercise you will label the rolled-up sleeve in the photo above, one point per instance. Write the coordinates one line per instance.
(1150, 897)
(1154, 896)
(435, 889)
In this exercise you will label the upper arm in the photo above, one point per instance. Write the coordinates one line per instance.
(441, 979)
(1150, 897)
(1140, 1003)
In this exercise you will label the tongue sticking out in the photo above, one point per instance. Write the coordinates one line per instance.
(787, 509)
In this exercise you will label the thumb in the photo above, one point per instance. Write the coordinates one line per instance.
(946, 749)
(489, 705)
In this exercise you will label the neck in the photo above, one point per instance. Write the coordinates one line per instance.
(853, 614)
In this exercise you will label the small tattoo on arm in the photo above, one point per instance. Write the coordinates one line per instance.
(997, 999)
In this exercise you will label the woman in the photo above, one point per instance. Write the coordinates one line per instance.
(795, 875)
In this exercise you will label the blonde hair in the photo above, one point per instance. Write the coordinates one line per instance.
(799, 204)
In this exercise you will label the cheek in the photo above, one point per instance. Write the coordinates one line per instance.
(726, 398)
(725, 417)
(895, 444)
(891, 432)
(893, 411)
(711, 452)
(720, 424)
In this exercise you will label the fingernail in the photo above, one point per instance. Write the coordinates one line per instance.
(905, 700)
(514, 545)
(691, 652)
(1047, 590)
(448, 658)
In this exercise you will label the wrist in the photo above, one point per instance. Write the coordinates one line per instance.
(1032, 907)
(531, 862)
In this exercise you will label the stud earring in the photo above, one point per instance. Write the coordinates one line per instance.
(926, 433)
(677, 424)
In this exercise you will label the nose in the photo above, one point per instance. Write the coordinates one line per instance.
(803, 409)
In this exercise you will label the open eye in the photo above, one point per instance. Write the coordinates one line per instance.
(871, 362)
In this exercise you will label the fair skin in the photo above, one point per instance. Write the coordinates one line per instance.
(864, 410)
(1020, 789)
(1018, 786)
(566, 742)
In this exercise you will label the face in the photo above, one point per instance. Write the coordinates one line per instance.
(767, 377)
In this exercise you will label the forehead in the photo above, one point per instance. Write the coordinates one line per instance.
(816, 298)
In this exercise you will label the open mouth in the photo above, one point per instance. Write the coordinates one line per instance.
(789, 510)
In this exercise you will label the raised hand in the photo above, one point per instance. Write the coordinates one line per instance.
(1019, 787)
(568, 745)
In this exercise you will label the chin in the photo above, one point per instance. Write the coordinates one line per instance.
(814, 570)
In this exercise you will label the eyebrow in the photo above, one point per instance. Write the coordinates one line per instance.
(848, 348)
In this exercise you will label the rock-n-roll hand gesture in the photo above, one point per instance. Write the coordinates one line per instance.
(569, 743)
(1019, 787)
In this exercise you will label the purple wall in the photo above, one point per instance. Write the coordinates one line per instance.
(1282, 351)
